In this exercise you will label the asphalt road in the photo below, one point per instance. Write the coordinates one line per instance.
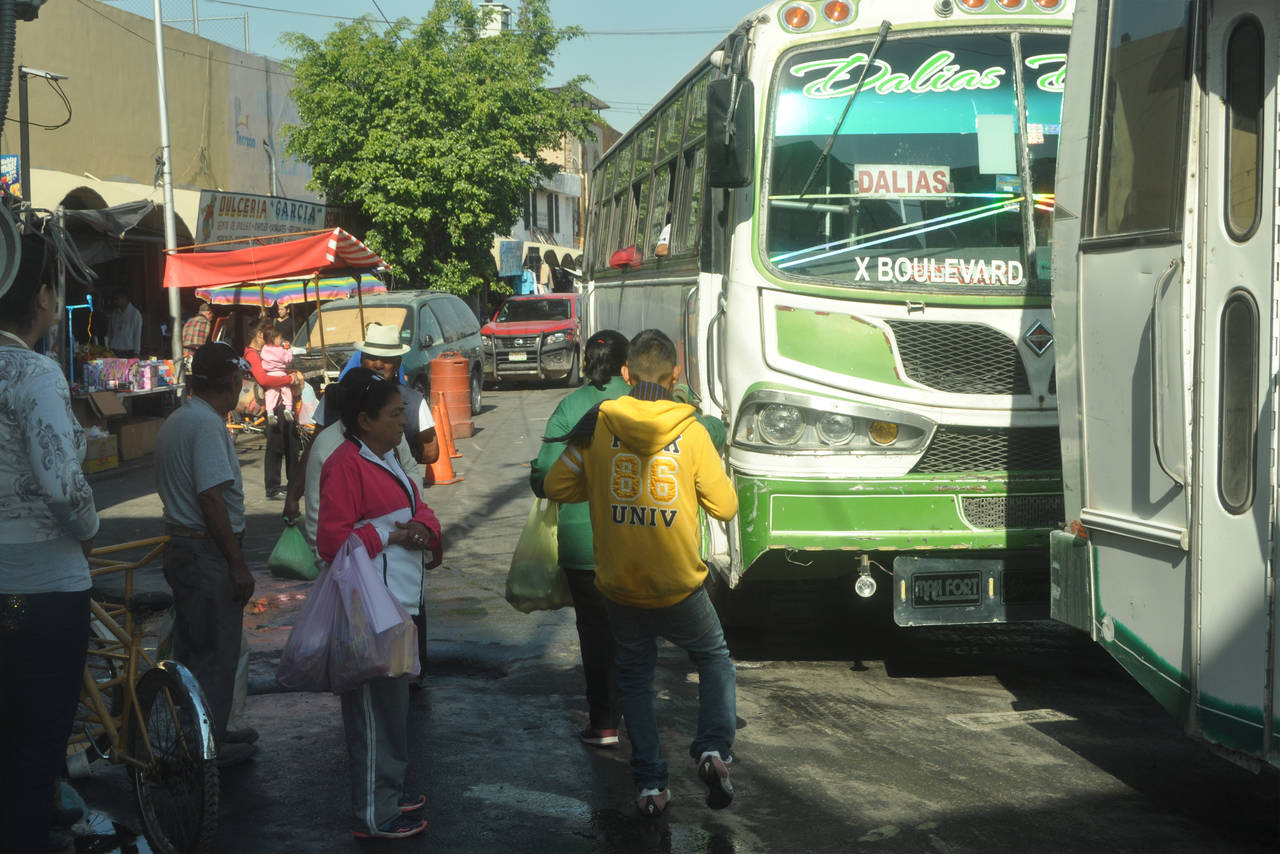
(853, 735)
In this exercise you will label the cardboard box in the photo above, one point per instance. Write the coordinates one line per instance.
(95, 409)
(101, 454)
(138, 437)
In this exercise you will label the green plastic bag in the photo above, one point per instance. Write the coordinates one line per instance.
(292, 557)
(536, 582)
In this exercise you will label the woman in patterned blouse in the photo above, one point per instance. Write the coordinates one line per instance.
(47, 525)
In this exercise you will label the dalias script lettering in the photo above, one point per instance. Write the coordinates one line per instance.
(938, 73)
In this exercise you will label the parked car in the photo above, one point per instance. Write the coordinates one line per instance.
(535, 336)
(430, 322)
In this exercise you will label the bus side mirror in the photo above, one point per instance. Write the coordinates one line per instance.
(730, 132)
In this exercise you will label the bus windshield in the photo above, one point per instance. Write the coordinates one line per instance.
(923, 189)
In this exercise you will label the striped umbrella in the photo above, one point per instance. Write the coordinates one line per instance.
(291, 291)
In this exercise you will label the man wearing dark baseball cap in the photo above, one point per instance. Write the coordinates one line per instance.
(198, 479)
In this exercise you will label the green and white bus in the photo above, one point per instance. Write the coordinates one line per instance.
(842, 215)
(1167, 296)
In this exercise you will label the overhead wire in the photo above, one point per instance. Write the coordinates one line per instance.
(636, 107)
(671, 32)
(66, 102)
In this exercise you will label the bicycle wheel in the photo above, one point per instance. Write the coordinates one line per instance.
(177, 789)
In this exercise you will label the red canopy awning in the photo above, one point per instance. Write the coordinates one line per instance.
(302, 258)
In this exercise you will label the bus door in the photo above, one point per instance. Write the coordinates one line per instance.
(1234, 395)
(1122, 303)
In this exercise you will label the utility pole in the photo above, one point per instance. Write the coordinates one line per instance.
(166, 177)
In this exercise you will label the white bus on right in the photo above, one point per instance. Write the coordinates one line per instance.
(1165, 302)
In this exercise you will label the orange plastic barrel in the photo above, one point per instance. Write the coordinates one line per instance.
(451, 376)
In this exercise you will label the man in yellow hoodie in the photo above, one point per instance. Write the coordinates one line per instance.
(645, 465)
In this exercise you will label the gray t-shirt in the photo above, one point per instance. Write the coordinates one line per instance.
(194, 452)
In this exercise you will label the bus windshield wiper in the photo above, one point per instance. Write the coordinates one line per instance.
(885, 26)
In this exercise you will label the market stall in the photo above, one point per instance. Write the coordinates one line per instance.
(312, 267)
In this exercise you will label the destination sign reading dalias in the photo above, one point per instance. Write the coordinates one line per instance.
(881, 180)
(938, 73)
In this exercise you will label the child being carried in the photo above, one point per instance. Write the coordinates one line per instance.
(277, 361)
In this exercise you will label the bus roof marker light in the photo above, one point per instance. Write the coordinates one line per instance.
(837, 11)
(798, 18)
(1049, 5)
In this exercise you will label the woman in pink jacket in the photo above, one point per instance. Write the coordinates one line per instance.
(364, 491)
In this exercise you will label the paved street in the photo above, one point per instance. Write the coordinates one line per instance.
(853, 735)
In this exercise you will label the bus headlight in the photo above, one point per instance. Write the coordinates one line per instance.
(835, 429)
(883, 432)
(781, 424)
(777, 421)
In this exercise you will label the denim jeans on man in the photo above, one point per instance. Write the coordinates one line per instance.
(693, 626)
(208, 621)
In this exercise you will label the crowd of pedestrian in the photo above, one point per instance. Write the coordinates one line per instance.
(628, 456)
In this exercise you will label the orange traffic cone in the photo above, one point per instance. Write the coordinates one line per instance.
(440, 473)
(444, 427)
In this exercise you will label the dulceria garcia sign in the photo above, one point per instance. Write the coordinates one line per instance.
(233, 216)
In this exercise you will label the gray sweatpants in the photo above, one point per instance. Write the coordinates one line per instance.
(376, 719)
(207, 624)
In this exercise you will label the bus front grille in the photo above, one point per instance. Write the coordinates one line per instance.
(960, 358)
(966, 449)
(1012, 511)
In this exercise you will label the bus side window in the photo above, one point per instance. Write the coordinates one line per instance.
(1238, 403)
(695, 162)
(1245, 66)
(641, 194)
(660, 210)
(1142, 124)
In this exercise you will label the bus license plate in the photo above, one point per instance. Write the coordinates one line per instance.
(517, 357)
(946, 589)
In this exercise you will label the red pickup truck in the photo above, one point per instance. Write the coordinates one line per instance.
(533, 337)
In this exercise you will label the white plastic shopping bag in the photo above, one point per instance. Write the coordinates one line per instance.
(374, 635)
(350, 630)
(304, 663)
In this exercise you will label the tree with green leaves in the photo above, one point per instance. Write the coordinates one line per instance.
(431, 133)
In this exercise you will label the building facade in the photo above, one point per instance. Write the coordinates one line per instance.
(227, 110)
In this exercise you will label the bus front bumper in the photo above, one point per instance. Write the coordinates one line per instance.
(962, 550)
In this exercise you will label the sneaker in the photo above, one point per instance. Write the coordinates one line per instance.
(412, 803)
(651, 802)
(714, 772)
(606, 738)
(400, 827)
(248, 735)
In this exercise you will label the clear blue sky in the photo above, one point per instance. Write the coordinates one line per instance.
(634, 51)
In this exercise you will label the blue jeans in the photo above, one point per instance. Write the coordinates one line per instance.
(693, 626)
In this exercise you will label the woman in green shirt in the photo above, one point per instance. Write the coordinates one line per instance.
(603, 358)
